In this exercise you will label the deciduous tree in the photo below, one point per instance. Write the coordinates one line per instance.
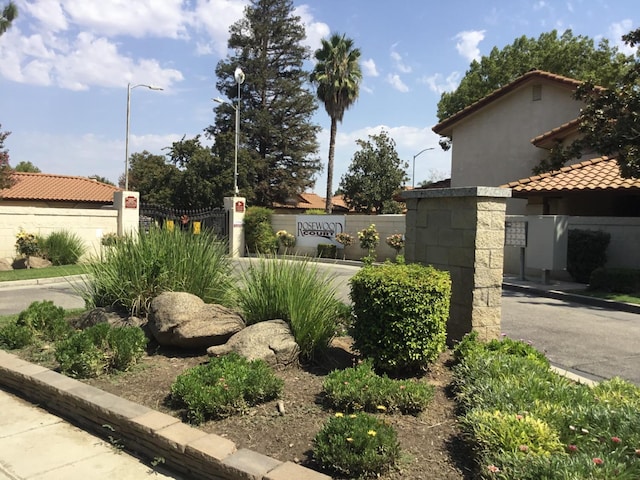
(5, 169)
(26, 167)
(376, 173)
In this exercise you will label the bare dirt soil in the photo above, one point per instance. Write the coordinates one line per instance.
(431, 442)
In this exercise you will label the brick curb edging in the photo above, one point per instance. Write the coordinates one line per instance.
(147, 432)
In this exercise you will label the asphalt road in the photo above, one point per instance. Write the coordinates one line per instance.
(591, 341)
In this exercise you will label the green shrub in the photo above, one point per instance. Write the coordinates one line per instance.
(45, 320)
(401, 312)
(258, 232)
(356, 445)
(138, 268)
(225, 386)
(360, 388)
(62, 248)
(296, 292)
(100, 349)
(615, 280)
(516, 433)
(315, 211)
(586, 251)
(13, 336)
(327, 250)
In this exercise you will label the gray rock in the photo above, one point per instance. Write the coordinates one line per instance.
(183, 320)
(38, 262)
(271, 341)
(106, 315)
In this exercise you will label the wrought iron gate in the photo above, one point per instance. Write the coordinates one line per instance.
(212, 219)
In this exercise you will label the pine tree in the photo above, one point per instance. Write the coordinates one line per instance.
(277, 155)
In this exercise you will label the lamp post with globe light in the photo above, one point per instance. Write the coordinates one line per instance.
(239, 77)
(126, 142)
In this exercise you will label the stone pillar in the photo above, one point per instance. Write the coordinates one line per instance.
(236, 207)
(128, 206)
(461, 230)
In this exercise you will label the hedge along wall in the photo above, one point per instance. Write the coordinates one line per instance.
(385, 224)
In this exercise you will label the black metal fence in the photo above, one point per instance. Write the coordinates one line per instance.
(212, 219)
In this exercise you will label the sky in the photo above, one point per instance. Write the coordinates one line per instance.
(65, 66)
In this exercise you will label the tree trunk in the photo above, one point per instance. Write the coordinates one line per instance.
(332, 150)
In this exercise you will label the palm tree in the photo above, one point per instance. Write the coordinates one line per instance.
(337, 76)
(9, 13)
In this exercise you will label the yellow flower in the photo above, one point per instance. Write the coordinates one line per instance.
(372, 433)
(353, 415)
(339, 415)
(349, 439)
(382, 408)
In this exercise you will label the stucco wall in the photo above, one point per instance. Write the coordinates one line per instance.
(89, 224)
(493, 146)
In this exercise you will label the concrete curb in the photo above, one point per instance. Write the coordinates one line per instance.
(42, 281)
(149, 433)
(572, 297)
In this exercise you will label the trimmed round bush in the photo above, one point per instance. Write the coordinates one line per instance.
(401, 313)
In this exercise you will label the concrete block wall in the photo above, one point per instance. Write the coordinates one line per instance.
(186, 450)
(385, 225)
(461, 230)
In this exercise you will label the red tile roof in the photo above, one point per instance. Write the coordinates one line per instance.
(598, 174)
(310, 201)
(548, 139)
(444, 126)
(62, 188)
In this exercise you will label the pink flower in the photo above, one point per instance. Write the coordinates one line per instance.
(493, 469)
(402, 387)
(572, 448)
(519, 417)
(638, 452)
(523, 448)
(598, 461)
(616, 439)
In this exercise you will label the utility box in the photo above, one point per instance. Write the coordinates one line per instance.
(547, 242)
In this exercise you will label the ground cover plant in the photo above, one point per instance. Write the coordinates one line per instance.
(526, 422)
(40, 322)
(224, 386)
(139, 267)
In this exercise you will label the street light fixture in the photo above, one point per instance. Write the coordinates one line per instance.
(413, 176)
(239, 77)
(126, 143)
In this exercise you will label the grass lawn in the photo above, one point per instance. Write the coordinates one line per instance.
(35, 273)
(616, 297)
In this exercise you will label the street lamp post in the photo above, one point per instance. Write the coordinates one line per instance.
(239, 77)
(413, 175)
(126, 142)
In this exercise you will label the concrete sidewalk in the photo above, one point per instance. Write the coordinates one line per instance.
(35, 444)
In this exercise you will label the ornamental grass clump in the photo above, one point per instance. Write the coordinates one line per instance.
(356, 445)
(225, 386)
(62, 248)
(297, 292)
(137, 268)
(360, 388)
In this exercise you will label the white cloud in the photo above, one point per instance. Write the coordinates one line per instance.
(215, 17)
(396, 82)
(399, 63)
(315, 31)
(617, 30)
(369, 68)
(49, 13)
(467, 43)
(438, 84)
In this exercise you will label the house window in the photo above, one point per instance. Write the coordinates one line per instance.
(536, 93)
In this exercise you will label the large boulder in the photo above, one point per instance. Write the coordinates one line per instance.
(271, 341)
(183, 320)
(5, 264)
(38, 262)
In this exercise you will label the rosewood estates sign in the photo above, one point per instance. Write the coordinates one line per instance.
(312, 230)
